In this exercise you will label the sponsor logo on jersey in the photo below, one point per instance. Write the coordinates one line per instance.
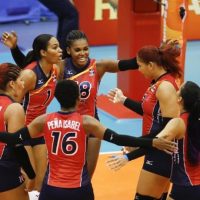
(149, 162)
(91, 72)
(40, 82)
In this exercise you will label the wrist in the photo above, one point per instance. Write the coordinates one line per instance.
(123, 99)
(125, 157)
(14, 47)
(154, 142)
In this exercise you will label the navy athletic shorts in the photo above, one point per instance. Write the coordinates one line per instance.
(55, 193)
(180, 192)
(158, 162)
(10, 176)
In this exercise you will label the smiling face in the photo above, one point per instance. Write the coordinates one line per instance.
(79, 52)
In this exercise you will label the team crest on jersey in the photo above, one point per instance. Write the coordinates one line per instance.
(54, 77)
(40, 81)
(69, 72)
(91, 72)
(153, 88)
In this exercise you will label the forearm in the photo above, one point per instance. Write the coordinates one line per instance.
(10, 139)
(128, 64)
(18, 56)
(23, 159)
(15, 138)
(134, 106)
(136, 154)
(125, 140)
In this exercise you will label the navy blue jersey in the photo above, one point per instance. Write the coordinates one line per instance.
(88, 80)
(184, 173)
(37, 100)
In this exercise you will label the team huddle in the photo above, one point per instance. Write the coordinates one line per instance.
(56, 153)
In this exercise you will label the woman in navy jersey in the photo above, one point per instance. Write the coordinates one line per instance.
(157, 107)
(186, 162)
(40, 75)
(11, 118)
(87, 72)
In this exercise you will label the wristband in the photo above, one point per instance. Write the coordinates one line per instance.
(134, 106)
(124, 65)
(126, 140)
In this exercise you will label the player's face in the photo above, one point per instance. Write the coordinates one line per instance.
(144, 68)
(18, 88)
(53, 54)
(79, 52)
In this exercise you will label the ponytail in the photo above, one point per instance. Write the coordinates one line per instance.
(30, 57)
(40, 43)
(190, 93)
(193, 130)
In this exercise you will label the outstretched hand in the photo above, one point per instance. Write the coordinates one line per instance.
(116, 162)
(9, 39)
(116, 96)
(165, 145)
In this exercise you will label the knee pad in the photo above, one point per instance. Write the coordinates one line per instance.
(144, 197)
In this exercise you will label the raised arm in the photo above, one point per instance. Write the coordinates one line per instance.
(10, 40)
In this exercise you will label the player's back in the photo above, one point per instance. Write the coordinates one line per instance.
(66, 142)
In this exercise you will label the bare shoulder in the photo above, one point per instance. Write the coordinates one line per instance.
(28, 72)
(166, 91)
(15, 108)
(29, 78)
(87, 120)
(28, 75)
(166, 86)
(89, 123)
